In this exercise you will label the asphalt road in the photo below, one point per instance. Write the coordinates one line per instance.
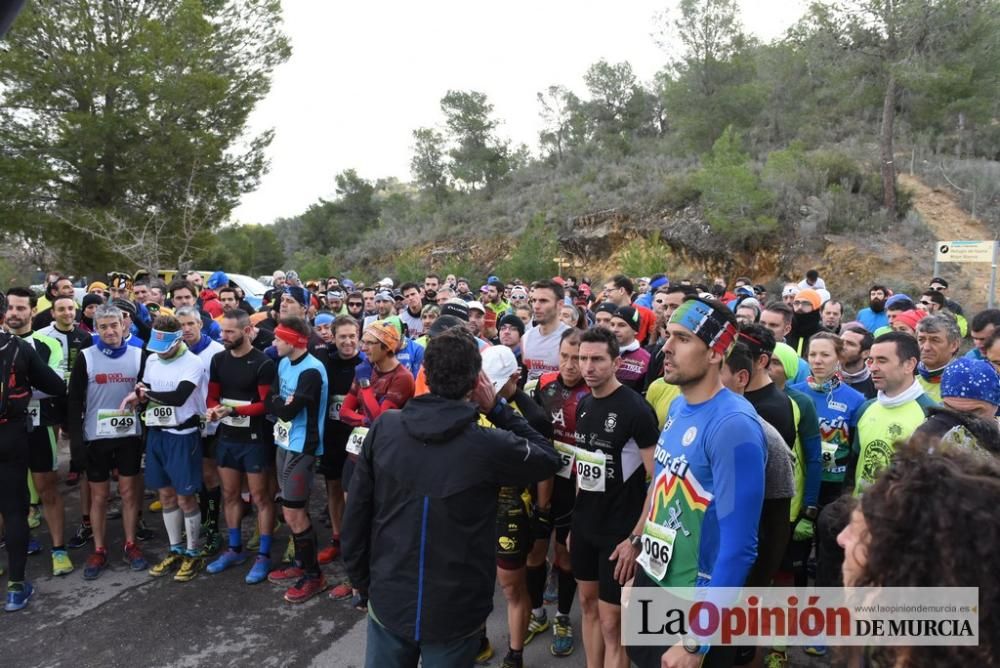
(128, 619)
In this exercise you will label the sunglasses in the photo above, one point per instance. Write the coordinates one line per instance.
(927, 303)
(355, 303)
(938, 288)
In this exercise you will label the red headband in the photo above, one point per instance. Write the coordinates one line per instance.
(291, 337)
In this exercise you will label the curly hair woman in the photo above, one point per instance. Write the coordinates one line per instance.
(930, 521)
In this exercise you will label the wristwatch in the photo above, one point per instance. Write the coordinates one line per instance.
(694, 646)
(811, 513)
(636, 541)
(364, 383)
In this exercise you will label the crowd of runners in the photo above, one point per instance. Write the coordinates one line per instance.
(667, 433)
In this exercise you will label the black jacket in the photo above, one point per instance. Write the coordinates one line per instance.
(804, 325)
(419, 531)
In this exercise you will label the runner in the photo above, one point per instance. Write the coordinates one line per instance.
(240, 381)
(634, 358)
(559, 393)
(832, 315)
(172, 390)
(874, 317)
(495, 298)
(61, 287)
(183, 294)
(899, 408)
(299, 403)
(356, 305)
(340, 368)
(21, 368)
(615, 434)
(805, 320)
(385, 306)
(540, 344)
(939, 340)
(970, 391)
(110, 439)
(45, 414)
(619, 290)
(854, 359)
(713, 444)
(983, 325)
(412, 311)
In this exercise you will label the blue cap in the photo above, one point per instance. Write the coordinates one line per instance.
(323, 319)
(897, 298)
(659, 282)
(218, 280)
(161, 342)
(967, 378)
(299, 294)
(492, 279)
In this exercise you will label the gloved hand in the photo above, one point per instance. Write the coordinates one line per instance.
(541, 523)
(363, 372)
(805, 529)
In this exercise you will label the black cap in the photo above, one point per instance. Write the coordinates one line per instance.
(938, 279)
(606, 307)
(125, 305)
(512, 320)
(455, 308)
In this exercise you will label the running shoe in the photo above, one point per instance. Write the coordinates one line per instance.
(95, 565)
(34, 547)
(359, 602)
(190, 567)
(143, 532)
(815, 650)
(72, 479)
(169, 563)
(258, 573)
(211, 543)
(305, 588)
(114, 511)
(510, 661)
(485, 652)
(82, 536)
(134, 557)
(562, 636)
(156, 506)
(284, 576)
(536, 625)
(776, 659)
(18, 594)
(342, 591)
(328, 553)
(61, 565)
(227, 559)
(34, 517)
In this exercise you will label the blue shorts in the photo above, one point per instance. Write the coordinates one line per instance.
(246, 457)
(173, 460)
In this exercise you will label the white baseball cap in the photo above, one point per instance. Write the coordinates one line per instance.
(499, 364)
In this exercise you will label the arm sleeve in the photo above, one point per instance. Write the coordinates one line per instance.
(307, 393)
(356, 533)
(265, 377)
(738, 453)
(534, 414)
(812, 448)
(350, 410)
(518, 455)
(175, 397)
(417, 355)
(400, 390)
(76, 401)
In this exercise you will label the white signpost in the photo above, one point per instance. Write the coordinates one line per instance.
(969, 252)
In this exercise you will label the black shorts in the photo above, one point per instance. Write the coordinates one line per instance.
(43, 450)
(590, 560)
(247, 457)
(295, 475)
(563, 500)
(107, 454)
(209, 446)
(514, 535)
(331, 462)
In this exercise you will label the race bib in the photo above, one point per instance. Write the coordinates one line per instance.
(335, 402)
(356, 440)
(591, 468)
(35, 412)
(829, 456)
(282, 428)
(567, 455)
(234, 420)
(114, 424)
(161, 416)
(657, 546)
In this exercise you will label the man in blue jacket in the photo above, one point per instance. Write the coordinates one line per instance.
(419, 533)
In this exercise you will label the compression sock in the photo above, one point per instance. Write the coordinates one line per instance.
(214, 501)
(305, 551)
(203, 503)
(85, 520)
(32, 491)
(173, 520)
(567, 591)
(192, 526)
(536, 587)
(265, 545)
(235, 540)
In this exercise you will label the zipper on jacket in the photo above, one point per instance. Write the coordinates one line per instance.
(420, 573)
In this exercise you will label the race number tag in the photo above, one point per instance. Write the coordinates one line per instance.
(35, 412)
(829, 456)
(161, 416)
(567, 455)
(356, 440)
(591, 468)
(113, 424)
(333, 409)
(234, 420)
(282, 428)
(657, 546)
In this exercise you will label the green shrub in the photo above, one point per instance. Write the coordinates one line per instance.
(532, 257)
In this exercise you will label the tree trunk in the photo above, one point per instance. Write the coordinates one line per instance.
(886, 147)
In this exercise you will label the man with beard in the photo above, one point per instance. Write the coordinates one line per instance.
(853, 361)
(875, 317)
(805, 320)
(356, 305)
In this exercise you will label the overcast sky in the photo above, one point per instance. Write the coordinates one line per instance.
(363, 75)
